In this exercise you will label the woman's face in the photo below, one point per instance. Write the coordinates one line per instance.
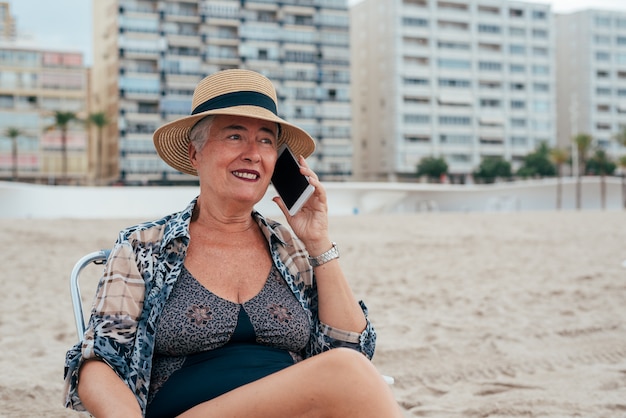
(237, 160)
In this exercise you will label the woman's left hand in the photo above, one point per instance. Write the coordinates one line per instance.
(310, 224)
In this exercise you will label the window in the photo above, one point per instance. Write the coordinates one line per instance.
(517, 68)
(620, 40)
(541, 87)
(489, 66)
(416, 61)
(513, 31)
(603, 108)
(518, 86)
(602, 40)
(603, 56)
(454, 120)
(602, 21)
(416, 100)
(518, 104)
(483, 28)
(541, 69)
(455, 139)
(452, 6)
(541, 106)
(518, 123)
(603, 91)
(517, 49)
(518, 141)
(602, 74)
(416, 119)
(490, 103)
(539, 14)
(456, 64)
(451, 82)
(411, 41)
(489, 47)
(602, 126)
(414, 21)
(415, 81)
(516, 12)
(540, 51)
(458, 158)
(417, 138)
(488, 10)
(449, 25)
(540, 33)
(459, 46)
(490, 85)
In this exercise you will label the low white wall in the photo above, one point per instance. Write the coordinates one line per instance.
(19, 200)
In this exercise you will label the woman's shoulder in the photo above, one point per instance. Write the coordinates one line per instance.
(165, 229)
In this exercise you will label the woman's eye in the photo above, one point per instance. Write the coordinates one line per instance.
(234, 137)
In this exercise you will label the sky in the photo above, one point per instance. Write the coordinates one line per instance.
(66, 24)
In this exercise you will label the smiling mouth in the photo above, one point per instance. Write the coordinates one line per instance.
(245, 175)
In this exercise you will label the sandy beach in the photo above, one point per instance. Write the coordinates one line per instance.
(478, 314)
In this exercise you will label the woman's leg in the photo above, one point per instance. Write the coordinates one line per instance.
(337, 383)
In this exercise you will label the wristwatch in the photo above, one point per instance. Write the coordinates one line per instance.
(325, 257)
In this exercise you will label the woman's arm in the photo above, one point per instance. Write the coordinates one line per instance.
(104, 394)
(338, 307)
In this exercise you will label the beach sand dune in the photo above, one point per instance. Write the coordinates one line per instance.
(478, 314)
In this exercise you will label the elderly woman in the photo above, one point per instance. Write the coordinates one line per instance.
(216, 311)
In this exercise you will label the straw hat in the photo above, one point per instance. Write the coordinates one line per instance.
(234, 92)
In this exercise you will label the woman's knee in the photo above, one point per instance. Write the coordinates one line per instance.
(351, 366)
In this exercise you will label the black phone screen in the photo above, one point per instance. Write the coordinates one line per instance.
(287, 179)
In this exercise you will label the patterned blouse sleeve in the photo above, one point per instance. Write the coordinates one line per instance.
(326, 337)
(114, 316)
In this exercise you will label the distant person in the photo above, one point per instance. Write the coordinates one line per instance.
(217, 311)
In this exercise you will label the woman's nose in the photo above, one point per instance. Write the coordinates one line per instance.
(251, 151)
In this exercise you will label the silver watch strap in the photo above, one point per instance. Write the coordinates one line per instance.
(325, 257)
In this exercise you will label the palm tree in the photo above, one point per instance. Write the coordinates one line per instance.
(559, 156)
(583, 142)
(622, 164)
(99, 120)
(61, 121)
(601, 164)
(13, 134)
(621, 140)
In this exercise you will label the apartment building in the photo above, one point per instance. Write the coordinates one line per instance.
(149, 55)
(462, 80)
(34, 83)
(591, 76)
(7, 22)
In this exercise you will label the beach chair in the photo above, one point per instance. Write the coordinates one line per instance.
(100, 257)
(96, 257)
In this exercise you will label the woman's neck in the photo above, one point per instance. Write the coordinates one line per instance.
(222, 219)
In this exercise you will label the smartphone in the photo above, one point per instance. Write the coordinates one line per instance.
(292, 187)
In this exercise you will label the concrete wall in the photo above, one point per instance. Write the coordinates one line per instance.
(35, 201)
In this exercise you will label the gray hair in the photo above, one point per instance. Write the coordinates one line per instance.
(199, 133)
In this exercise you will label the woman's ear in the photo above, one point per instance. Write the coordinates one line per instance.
(192, 154)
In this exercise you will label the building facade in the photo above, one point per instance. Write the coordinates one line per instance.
(591, 76)
(462, 80)
(7, 22)
(34, 84)
(149, 56)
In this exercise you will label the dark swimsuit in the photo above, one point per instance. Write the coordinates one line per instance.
(207, 346)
